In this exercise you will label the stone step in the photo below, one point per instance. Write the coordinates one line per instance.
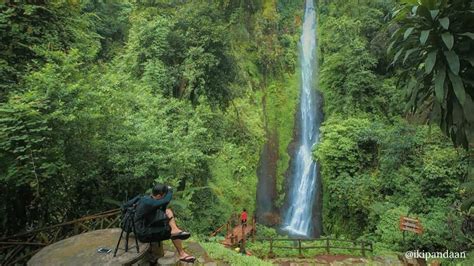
(171, 258)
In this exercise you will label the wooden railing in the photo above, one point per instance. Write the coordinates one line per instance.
(19, 248)
(231, 223)
(232, 239)
(326, 244)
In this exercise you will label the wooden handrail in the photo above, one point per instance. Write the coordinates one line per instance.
(217, 230)
(307, 239)
(232, 222)
(22, 243)
(85, 218)
(19, 247)
(364, 246)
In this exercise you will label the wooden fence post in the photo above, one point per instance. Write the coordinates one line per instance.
(76, 229)
(300, 254)
(244, 236)
(271, 255)
(232, 230)
(327, 245)
(227, 229)
(363, 248)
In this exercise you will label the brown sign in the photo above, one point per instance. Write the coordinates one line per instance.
(410, 224)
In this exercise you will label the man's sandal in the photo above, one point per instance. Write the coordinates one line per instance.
(181, 235)
(189, 259)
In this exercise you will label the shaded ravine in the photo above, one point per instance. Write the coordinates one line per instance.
(300, 215)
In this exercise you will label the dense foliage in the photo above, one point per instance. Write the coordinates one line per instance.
(378, 163)
(100, 100)
(436, 39)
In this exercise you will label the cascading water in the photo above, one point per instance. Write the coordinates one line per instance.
(299, 216)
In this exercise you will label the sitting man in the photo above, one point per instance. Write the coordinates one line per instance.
(155, 222)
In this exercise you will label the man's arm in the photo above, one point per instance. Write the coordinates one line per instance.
(155, 203)
(131, 202)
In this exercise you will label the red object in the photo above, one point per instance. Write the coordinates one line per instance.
(243, 216)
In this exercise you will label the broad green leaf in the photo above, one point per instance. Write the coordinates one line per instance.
(444, 22)
(453, 61)
(468, 34)
(430, 4)
(408, 32)
(395, 13)
(389, 49)
(458, 87)
(411, 91)
(435, 113)
(397, 55)
(408, 53)
(430, 62)
(448, 40)
(457, 113)
(397, 31)
(424, 36)
(434, 13)
(469, 109)
(411, 102)
(439, 84)
(424, 12)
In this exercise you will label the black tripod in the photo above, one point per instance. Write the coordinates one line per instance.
(128, 225)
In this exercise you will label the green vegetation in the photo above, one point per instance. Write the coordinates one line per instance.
(219, 252)
(436, 39)
(378, 164)
(282, 99)
(100, 100)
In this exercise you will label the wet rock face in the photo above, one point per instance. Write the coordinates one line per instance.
(272, 219)
(266, 187)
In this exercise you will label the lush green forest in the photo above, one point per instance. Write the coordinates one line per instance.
(379, 159)
(99, 100)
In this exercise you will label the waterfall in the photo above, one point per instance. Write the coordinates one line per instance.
(303, 183)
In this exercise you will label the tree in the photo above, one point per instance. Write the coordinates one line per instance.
(434, 48)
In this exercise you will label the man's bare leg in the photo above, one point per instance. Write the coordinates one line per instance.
(174, 227)
(174, 230)
(179, 247)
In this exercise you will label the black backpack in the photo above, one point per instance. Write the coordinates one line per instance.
(127, 220)
(155, 229)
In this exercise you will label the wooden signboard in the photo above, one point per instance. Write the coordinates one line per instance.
(411, 225)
